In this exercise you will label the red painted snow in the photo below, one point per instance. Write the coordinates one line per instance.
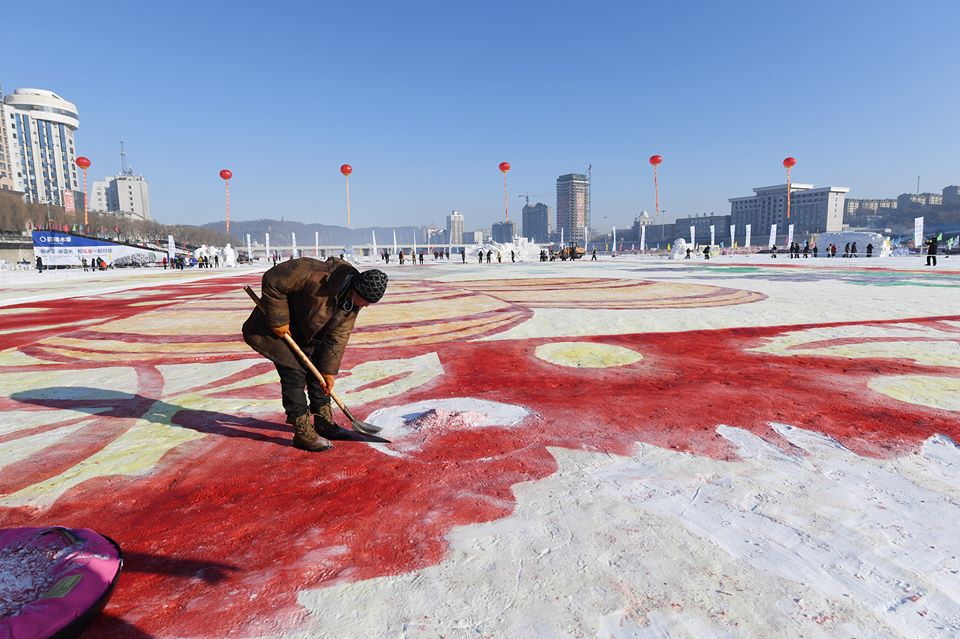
(222, 535)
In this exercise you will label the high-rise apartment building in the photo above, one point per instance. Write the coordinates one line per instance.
(123, 194)
(536, 222)
(39, 127)
(7, 164)
(811, 210)
(503, 232)
(455, 227)
(573, 206)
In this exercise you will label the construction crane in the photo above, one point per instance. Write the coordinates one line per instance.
(530, 195)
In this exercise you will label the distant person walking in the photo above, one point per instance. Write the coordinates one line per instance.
(513, 256)
(40, 264)
(489, 255)
(806, 249)
(869, 250)
(846, 250)
(706, 252)
(84, 262)
(593, 255)
(773, 252)
(931, 251)
(463, 256)
(853, 250)
(480, 256)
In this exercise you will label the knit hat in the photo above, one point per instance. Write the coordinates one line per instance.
(370, 285)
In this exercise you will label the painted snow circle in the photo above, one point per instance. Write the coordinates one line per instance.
(409, 427)
(586, 354)
(923, 390)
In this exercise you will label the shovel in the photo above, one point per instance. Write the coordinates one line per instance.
(359, 426)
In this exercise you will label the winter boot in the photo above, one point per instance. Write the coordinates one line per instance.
(323, 422)
(305, 438)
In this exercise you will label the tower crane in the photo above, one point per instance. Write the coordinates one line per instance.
(530, 195)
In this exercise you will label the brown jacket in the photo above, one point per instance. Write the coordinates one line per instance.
(303, 293)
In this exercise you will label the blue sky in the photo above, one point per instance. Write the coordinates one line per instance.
(425, 99)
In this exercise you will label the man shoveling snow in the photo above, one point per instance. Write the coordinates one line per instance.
(316, 303)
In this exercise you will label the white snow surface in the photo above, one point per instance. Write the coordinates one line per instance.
(409, 427)
(801, 537)
(812, 540)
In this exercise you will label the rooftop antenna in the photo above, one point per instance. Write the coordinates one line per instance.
(124, 169)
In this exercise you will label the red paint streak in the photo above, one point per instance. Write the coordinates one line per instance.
(241, 513)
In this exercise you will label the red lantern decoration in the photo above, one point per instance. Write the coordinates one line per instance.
(789, 163)
(226, 174)
(84, 163)
(504, 166)
(655, 160)
(346, 169)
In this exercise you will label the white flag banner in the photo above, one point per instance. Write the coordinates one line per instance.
(293, 240)
(171, 248)
(918, 232)
(316, 243)
(614, 240)
(267, 243)
(693, 235)
(394, 241)
(713, 235)
(372, 232)
(249, 249)
(733, 235)
(773, 235)
(643, 239)
(790, 235)
(746, 241)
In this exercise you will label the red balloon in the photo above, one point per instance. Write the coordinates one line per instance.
(655, 160)
(346, 169)
(84, 163)
(226, 174)
(789, 163)
(504, 166)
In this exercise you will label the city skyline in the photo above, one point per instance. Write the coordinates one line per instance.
(436, 96)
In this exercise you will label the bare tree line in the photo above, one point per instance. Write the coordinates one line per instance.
(17, 217)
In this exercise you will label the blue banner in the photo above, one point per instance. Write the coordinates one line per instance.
(57, 248)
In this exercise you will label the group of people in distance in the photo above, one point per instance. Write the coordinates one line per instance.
(437, 255)
(849, 250)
